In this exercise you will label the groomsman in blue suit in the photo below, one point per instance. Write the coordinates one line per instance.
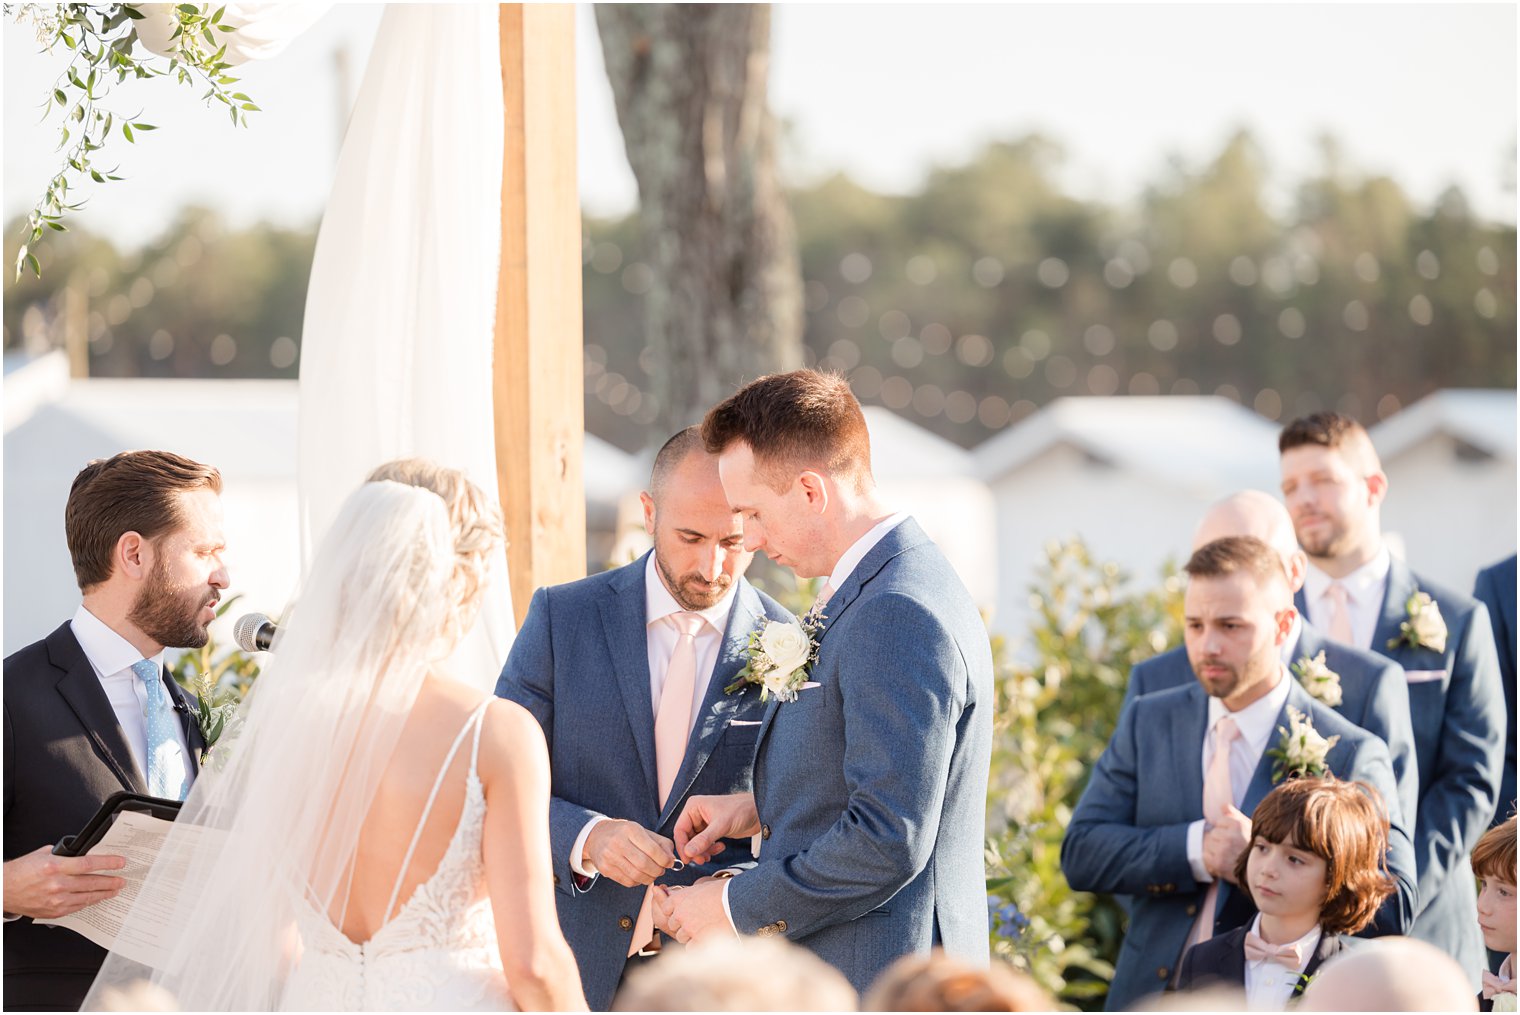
(1166, 812)
(1360, 594)
(871, 784)
(1495, 589)
(625, 671)
(1364, 687)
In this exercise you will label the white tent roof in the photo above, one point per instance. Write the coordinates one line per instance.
(1480, 417)
(904, 450)
(1204, 442)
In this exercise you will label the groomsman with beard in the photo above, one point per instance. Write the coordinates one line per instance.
(626, 672)
(1364, 687)
(90, 710)
(1166, 812)
(1360, 594)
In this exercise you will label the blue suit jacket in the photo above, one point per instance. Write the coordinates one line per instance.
(1129, 830)
(1372, 696)
(1456, 704)
(872, 786)
(1495, 589)
(580, 664)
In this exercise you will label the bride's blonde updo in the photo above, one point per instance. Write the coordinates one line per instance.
(476, 526)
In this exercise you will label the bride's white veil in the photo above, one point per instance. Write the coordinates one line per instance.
(274, 816)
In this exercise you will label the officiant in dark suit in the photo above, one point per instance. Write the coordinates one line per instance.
(90, 710)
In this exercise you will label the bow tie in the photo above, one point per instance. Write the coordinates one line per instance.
(1494, 985)
(1288, 956)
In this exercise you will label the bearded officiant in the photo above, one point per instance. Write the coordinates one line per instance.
(90, 710)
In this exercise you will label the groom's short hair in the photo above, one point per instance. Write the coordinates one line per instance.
(797, 420)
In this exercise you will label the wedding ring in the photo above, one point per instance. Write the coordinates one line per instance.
(679, 865)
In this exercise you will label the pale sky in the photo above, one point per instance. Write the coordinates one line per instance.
(1425, 94)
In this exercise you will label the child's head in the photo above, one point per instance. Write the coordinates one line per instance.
(1317, 845)
(1493, 860)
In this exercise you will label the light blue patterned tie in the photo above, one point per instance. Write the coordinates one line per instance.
(160, 730)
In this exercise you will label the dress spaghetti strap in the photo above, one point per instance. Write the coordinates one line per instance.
(427, 810)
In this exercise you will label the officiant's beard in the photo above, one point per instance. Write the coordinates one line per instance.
(171, 616)
(693, 592)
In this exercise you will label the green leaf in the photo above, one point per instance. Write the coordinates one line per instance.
(144, 126)
(132, 12)
(249, 105)
(31, 262)
(126, 130)
(68, 40)
(216, 18)
(95, 175)
(59, 97)
(188, 9)
(58, 226)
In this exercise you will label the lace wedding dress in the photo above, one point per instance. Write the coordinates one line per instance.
(437, 953)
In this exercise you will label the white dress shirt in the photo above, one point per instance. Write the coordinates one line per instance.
(112, 656)
(1269, 985)
(1255, 723)
(1365, 588)
(661, 637)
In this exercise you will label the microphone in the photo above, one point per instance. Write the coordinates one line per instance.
(254, 632)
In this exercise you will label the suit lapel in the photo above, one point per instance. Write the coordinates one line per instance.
(1233, 967)
(185, 711)
(717, 707)
(80, 688)
(1301, 604)
(623, 619)
(1261, 779)
(1396, 592)
(1330, 945)
(1186, 747)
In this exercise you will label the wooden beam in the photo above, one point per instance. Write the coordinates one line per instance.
(537, 370)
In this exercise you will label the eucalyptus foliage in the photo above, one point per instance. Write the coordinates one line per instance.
(1055, 711)
(218, 677)
(102, 39)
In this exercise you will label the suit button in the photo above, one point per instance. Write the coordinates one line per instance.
(1192, 911)
(625, 922)
(1161, 973)
(765, 831)
(781, 926)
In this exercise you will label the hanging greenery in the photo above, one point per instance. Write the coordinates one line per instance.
(102, 39)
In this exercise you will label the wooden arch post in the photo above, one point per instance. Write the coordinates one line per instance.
(537, 369)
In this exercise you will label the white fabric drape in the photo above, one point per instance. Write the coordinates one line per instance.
(400, 314)
(264, 29)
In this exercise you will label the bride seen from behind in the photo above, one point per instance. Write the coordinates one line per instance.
(380, 832)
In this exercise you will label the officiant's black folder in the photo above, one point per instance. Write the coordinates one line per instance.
(95, 829)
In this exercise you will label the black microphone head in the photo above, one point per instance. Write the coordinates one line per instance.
(247, 629)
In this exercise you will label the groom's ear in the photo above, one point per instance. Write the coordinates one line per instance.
(648, 502)
(816, 489)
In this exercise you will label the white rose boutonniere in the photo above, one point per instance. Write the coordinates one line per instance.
(1504, 1001)
(780, 654)
(1425, 627)
(1301, 751)
(1318, 679)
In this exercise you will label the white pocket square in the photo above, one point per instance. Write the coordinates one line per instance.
(745, 722)
(1424, 676)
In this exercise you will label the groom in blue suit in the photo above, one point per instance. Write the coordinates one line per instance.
(593, 662)
(871, 784)
(1165, 814)
(1357, 592)
(1368, 688)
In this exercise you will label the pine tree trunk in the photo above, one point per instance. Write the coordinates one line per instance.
(726, 303)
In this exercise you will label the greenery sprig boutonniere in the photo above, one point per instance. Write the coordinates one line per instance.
(1425, 627)
(1300, 752)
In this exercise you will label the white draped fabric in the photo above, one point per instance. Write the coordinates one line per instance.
(400, 315)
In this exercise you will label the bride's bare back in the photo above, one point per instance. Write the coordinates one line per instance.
(513, 768)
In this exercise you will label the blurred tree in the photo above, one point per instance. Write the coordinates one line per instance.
(724, 299)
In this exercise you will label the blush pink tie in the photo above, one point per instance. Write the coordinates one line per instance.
(672, 728)
(1218, 798)
(1340, 614)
